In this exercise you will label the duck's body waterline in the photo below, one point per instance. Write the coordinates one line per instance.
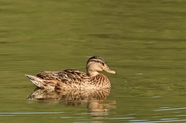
(75, 79)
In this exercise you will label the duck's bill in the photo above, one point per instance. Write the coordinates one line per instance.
(108, 70)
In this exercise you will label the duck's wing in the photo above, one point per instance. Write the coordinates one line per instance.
(48, 75)
(67, 75)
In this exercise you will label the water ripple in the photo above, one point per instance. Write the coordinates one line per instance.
(26, 113)
(169, 108)
(165, 120)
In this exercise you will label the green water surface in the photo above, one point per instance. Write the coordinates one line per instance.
(144, 41)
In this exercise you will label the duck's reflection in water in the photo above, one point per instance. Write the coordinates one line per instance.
(95, 99)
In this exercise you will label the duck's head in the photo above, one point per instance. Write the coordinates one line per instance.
(95, 64)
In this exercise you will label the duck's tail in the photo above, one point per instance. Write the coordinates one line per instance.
(36, 81)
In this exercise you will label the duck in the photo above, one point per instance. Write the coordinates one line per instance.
(69, 79)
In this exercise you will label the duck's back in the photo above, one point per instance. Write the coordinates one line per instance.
(65, 76)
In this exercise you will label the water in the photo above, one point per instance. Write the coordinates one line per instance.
(144, 42)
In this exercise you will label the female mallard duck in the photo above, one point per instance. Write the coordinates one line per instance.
(75, 79)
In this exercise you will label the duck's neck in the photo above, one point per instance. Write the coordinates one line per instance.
(92, 73)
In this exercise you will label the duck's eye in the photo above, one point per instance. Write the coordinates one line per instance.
(103, 63)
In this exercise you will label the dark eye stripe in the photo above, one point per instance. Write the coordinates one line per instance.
(97, 61)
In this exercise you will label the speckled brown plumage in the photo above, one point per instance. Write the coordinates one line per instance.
(74, 79)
